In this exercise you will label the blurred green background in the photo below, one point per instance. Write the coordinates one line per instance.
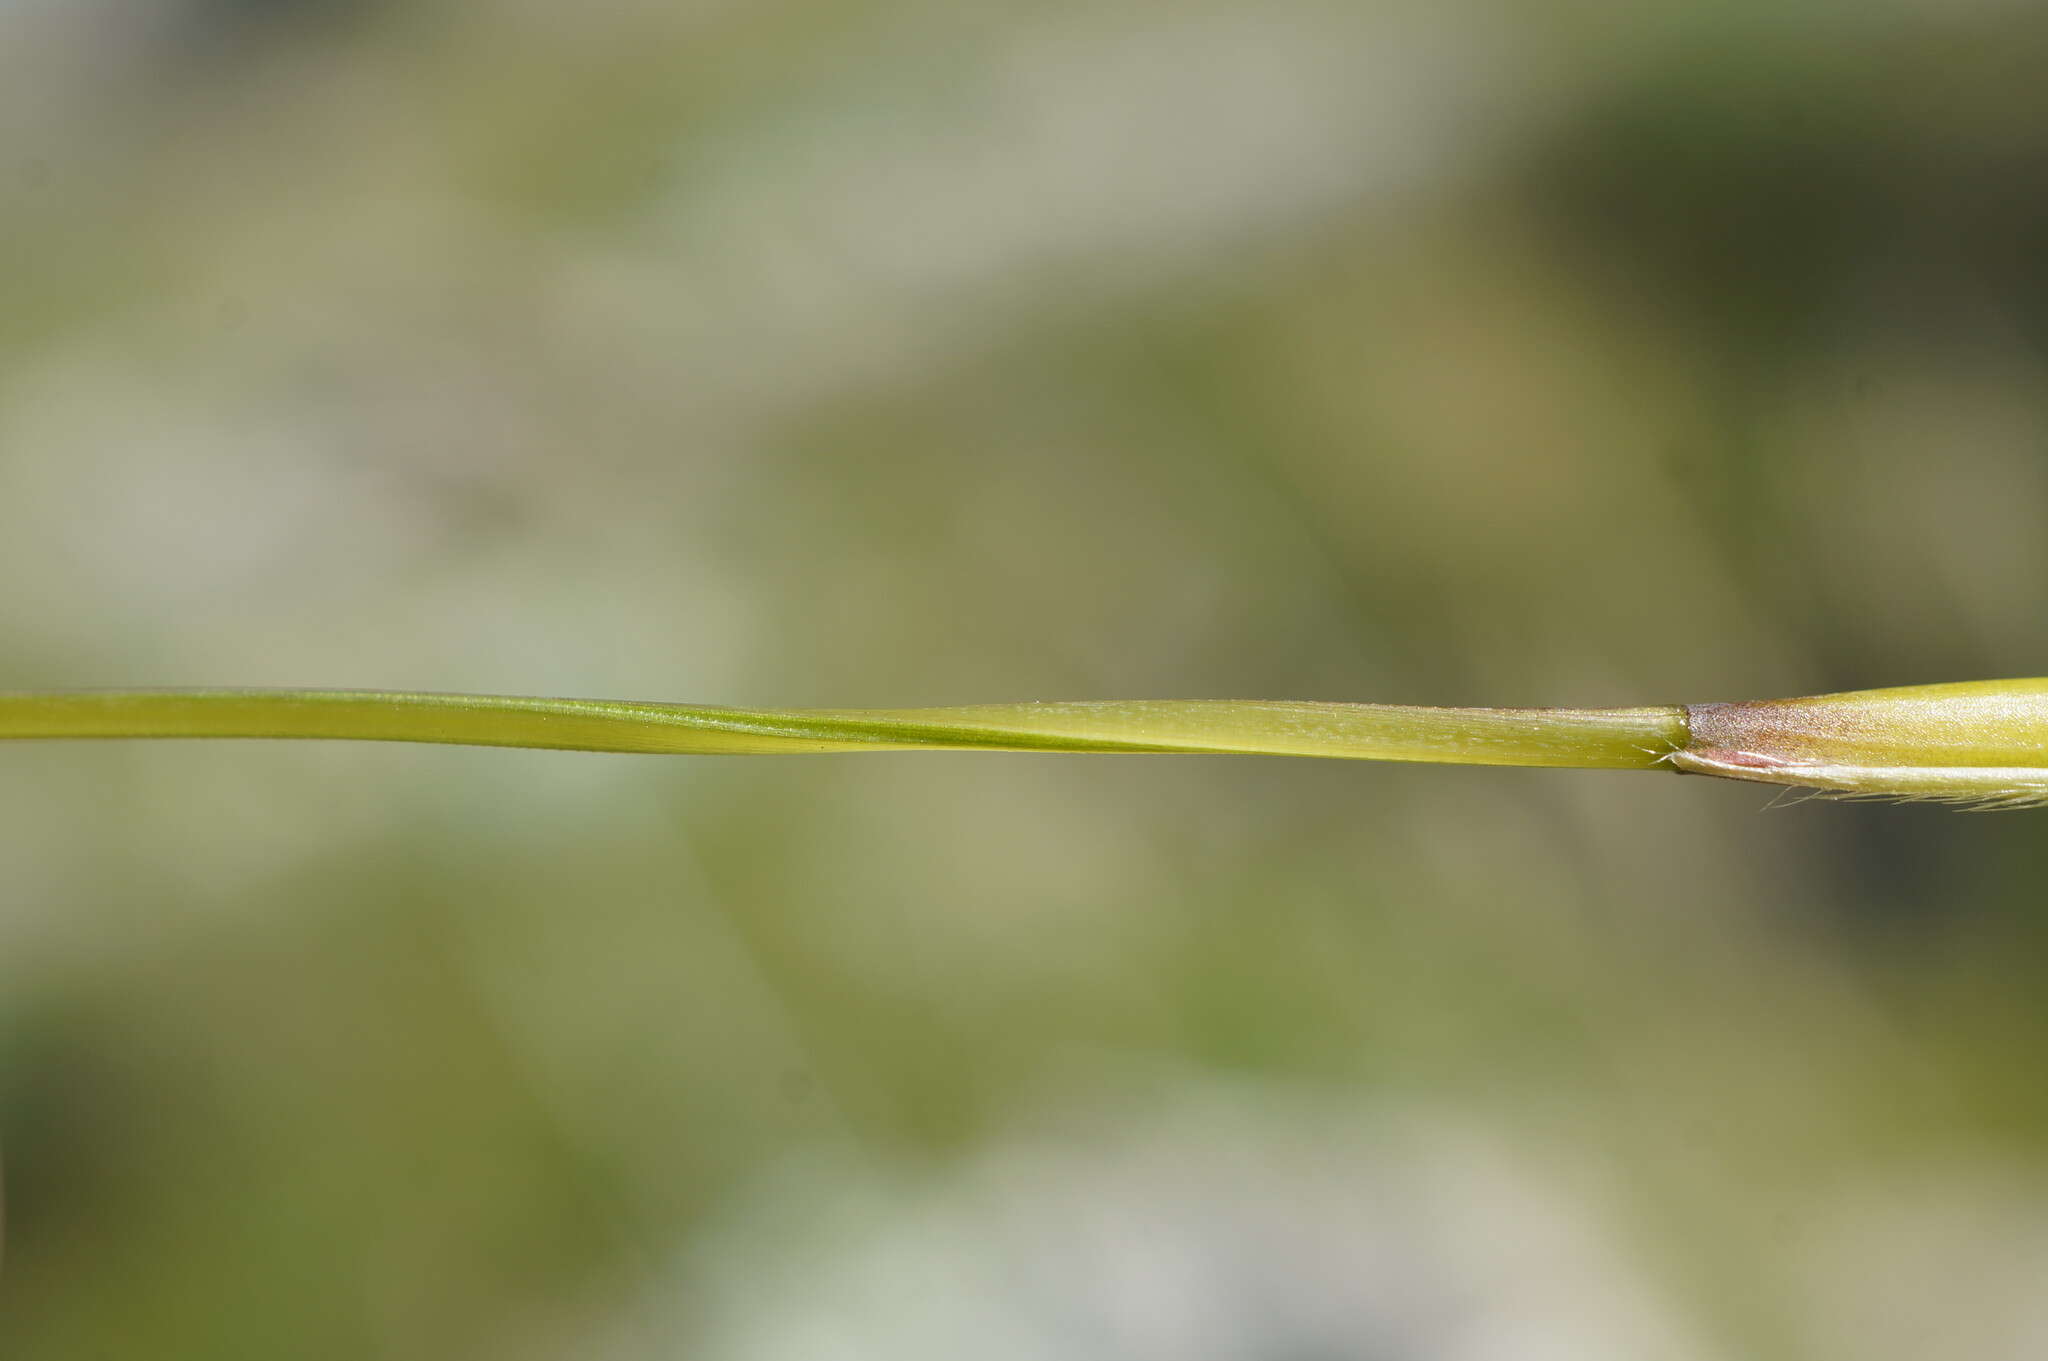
(901, 353)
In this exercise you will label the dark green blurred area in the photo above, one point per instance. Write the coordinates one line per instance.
(898, 354)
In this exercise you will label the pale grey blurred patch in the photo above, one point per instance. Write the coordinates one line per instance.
(1928, 1259)
(876, 224)
(1188, 1220)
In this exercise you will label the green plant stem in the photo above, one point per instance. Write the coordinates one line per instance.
(1982, 742)
(1586, 738)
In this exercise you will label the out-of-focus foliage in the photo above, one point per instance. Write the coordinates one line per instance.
(899, 353)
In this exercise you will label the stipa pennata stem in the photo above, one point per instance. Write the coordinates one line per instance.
(1981, 742)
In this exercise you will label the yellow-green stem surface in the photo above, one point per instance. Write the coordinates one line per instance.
(1981, 741)
(1586, 738)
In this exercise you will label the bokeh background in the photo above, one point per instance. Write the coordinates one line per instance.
(901, 353)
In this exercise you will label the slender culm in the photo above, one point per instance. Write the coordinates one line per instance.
(1983, 742)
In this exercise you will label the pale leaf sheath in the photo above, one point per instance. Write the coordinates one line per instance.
(1979, 742)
